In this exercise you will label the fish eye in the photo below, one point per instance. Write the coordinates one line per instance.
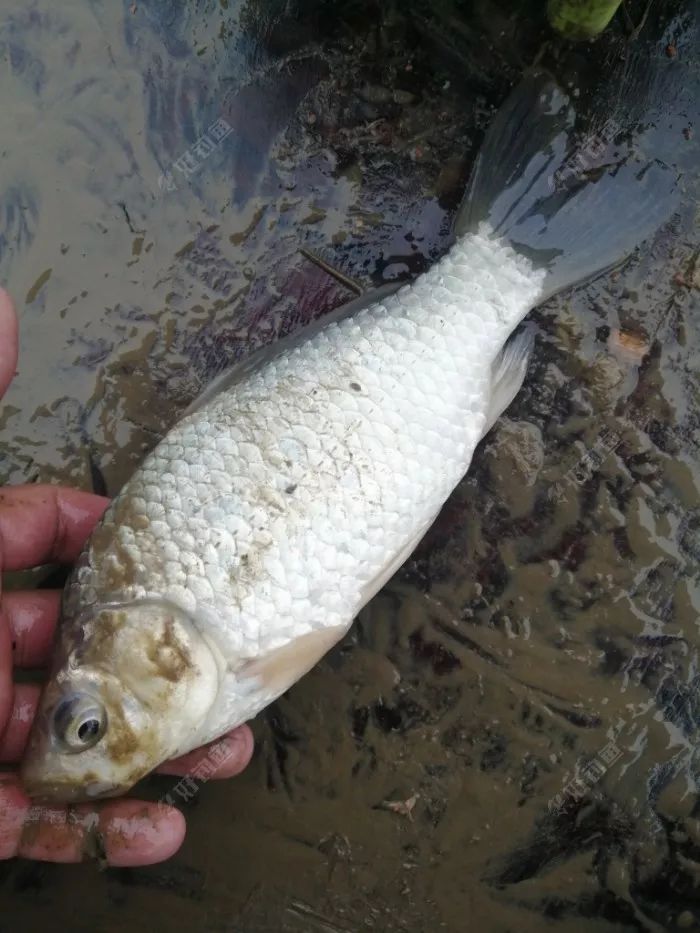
(79, 722)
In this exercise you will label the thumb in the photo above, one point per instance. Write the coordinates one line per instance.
(8, 340)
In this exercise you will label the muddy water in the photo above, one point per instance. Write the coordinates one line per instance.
(507, 738)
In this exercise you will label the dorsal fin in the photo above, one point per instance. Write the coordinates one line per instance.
(242, 368)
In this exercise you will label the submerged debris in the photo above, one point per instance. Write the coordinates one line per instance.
(581, 19)
(402, 807)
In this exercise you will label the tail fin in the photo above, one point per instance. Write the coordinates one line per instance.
(574, 204)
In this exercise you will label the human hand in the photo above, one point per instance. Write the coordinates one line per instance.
(48, 524)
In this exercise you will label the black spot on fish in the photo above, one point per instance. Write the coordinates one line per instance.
(356, 387)
(290, 489)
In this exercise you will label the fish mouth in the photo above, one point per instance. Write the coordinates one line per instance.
(58, 790)
(46, 780)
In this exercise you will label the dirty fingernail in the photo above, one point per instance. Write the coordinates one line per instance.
(136, 833)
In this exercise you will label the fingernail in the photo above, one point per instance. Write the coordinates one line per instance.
(137, 833)
(236, 752)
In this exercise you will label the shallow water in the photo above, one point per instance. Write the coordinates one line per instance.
(420, 778)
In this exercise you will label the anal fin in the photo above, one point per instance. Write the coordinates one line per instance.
(509, 370)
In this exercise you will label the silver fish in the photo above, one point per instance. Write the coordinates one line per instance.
(248, 540)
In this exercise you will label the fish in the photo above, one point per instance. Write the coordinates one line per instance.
(291, 491)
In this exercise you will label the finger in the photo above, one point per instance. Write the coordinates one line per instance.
(127, 832)
(42, 524)
(6, 688)
(223, 758)
(14, 736)
(8, 341)
(32, 617)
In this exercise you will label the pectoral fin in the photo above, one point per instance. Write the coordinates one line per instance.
(276, 671)
(279, 669)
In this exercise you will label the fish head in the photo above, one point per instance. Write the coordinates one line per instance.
(132, 685)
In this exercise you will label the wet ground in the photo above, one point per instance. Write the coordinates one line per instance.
(507, 738)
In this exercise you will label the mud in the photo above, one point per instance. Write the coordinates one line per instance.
(507, 738)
